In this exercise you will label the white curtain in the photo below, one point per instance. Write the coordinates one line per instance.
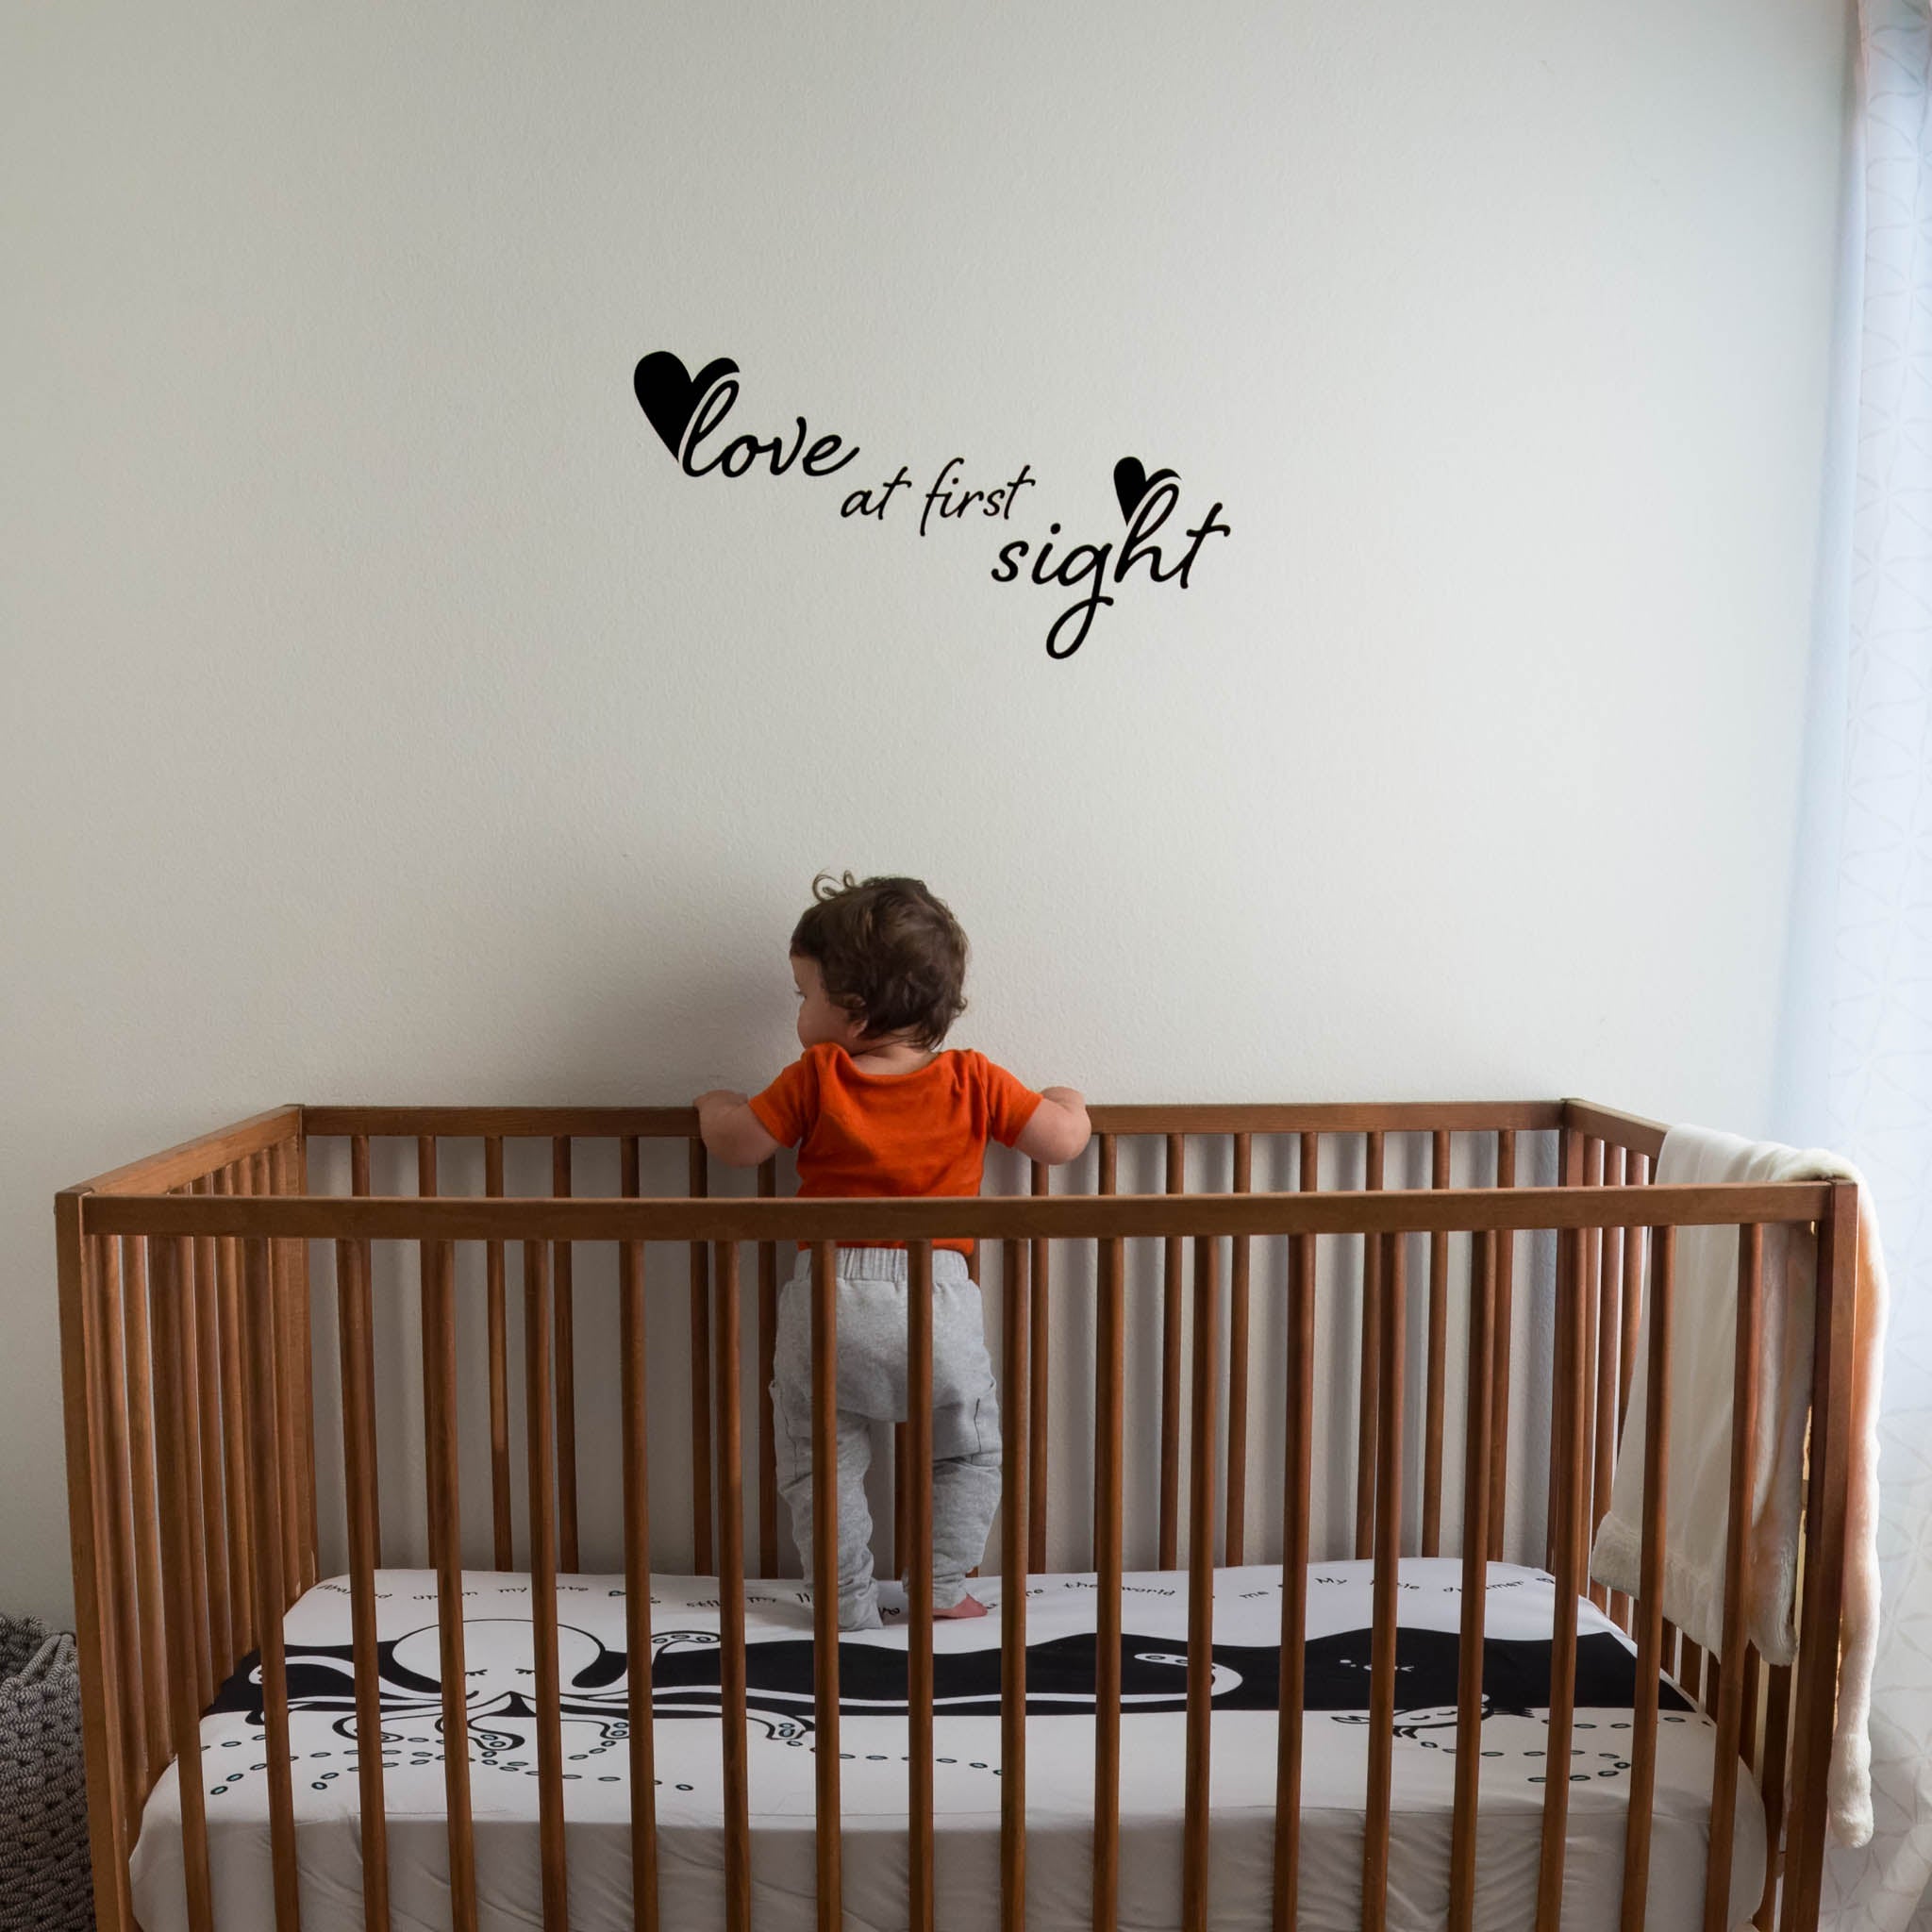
(1858, 1037)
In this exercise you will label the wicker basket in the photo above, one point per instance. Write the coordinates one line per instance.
(45, 1881)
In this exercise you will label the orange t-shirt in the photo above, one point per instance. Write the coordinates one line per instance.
(862, 1135)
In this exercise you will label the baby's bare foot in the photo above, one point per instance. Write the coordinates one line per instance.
(966, 1607)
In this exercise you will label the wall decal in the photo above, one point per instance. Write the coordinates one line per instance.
(992, 503)
(1147, 513)
(670, 393)
(688, 411)
(672, 399)
(1131, 482)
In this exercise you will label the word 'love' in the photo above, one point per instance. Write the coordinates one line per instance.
(686, 408)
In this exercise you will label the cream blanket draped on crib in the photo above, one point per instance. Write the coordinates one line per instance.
(1702, 1343)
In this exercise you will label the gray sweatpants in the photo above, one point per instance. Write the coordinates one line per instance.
(871, 1387)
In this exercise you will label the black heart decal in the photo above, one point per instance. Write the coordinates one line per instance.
(1131, 483)
(669, 396)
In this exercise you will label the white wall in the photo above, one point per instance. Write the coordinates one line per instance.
(386, 717)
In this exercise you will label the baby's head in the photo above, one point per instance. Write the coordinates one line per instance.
(875, 960)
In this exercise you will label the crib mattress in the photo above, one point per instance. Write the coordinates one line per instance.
(1061, 1614)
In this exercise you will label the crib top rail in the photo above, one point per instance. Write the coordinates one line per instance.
(192, 1160)
(681, 1123)
(1059, 1217)
(1629, 1131)
(289, 1128)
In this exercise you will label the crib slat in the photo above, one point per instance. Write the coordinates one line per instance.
(1592, 1240)
(103, 1606)
(540, 1459)
(1615, 1163)
(1298, 1449)
(210, 1451)
(1570, 1252)
(440, 1368)
(731, 1596)
(1388, 1556)
(289, 1174)
(264, 1171)
(169, 1262)
(973, 1276)
(1475, 1542)
(700, 1377)
(1724, 1789)
(919, 1619)
(1194, 1899)
(498, 1317)
(1609, 1410)
(1567, 1503)
(1747, 1734)
(260, 1317)
(1648, 1609)
(205, 1382)
(425, 1294)
(147, 1540)
(1499, 1424)
(104, 1599)
(1629, 1312)
(1372, 1348)
(234, 1436)
(358, 1183)
(1437, 1372)
(1771, 1780)
(115, 1517)
(1607, 1332)
(902, 1498)
(1110, 1374)
(1635, 1168)
(1177, 1182)
(565, 1313)
(1108, 1184)
(1235, 1504)
(1038, 1313)
(103, 1624)
(295, 1181)
(637, 1562)
(1014, 1489)
(359, 1475)
(768, 1364)
(202, 1571)
(827, 1840)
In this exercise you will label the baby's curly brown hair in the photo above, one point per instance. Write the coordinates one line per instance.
(888, 950)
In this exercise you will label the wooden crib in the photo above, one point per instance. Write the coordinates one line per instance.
(202, 1494)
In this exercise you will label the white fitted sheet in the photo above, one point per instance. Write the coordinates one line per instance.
(1060, 1746)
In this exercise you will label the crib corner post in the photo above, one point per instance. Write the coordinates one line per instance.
(1825, 1556)
(80, 1344)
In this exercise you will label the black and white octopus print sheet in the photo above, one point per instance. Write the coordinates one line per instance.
(1061, 1613)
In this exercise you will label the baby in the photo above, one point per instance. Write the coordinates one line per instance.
(873, 1108)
